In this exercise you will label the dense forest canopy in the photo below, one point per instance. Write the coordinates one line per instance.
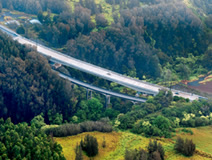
(28, 86)
(204, 6)
(142, 37)
(34, 6)
(160, 40)
(24, 142)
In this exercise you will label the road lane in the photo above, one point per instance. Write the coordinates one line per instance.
(129, 82)
(101, 90)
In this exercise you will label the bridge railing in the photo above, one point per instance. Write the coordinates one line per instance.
(14, 34)
(87, 63)
(8, 31)
(112, 72)
(109, 71)
(101, 90)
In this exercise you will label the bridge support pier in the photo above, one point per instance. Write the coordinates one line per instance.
(88, 94)
(134, 103)
(107, 100)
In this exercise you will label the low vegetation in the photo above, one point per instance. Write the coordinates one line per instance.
(69, 144)
(154, 119)
(154, 151)
(74, 129)
(201, 137)
(118, 143)
(185, 147)
(89, 145)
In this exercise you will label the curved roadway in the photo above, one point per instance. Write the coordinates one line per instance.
(95, 70)
(101, 90)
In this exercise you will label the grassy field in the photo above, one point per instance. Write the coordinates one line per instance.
(116, 143)
(202, 137)
(69, 144)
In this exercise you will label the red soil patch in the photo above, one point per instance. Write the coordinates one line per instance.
(185, 82)
(204, 87)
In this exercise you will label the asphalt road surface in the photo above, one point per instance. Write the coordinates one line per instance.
(129, 82)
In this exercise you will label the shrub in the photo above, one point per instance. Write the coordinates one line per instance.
(163, 124)
(199, 121)
(186, 147)
(189, 148)
(90, 145)
(179, 145)
(78, 152)
(155, 152)
(155, 149)
(103, 143)
(74, 129)
(135, 154)
(38, 121)
(187, 131)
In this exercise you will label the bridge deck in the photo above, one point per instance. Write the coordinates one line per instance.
(92, 69)
(101, 90)
(95, 70)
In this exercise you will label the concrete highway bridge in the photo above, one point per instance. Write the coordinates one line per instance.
(106, 93)
(63, 59)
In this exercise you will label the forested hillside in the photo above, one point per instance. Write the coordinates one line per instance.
(28, 87)
(139, 38)
(204, 6)
(161, 41)
(24, 142)
(34, 6)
